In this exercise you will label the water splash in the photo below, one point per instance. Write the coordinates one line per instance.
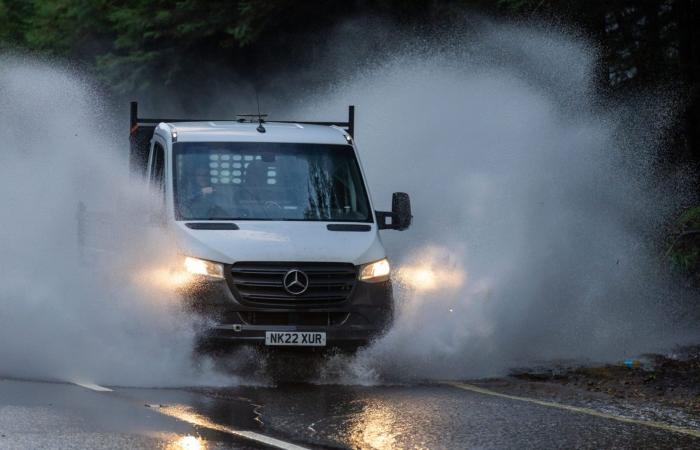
(534, 199)
(59, 317)
(535, 204)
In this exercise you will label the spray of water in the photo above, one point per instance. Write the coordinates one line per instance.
(533, 200)
(62, 317)
(535, 204)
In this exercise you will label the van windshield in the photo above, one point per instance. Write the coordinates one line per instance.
(268, 181)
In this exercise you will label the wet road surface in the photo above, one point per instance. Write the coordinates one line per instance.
(54, 415)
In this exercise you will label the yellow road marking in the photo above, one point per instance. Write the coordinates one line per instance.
(577, 409)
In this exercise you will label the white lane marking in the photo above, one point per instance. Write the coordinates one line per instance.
(185, 414)
(93, 387)
(576, 409)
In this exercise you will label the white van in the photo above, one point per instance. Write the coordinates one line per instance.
(275, 222)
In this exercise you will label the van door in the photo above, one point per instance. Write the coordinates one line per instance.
(157, 168)
(156, 179)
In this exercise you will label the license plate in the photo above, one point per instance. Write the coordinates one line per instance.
(303, 338)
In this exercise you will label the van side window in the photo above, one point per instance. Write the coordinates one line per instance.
(158, 169)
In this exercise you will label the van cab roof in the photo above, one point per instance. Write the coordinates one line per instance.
(234, 131)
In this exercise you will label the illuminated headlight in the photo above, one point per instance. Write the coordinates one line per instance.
(198, 266)
(376, 271)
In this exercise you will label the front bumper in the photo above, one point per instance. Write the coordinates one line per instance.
(366, 313)
(228, 334)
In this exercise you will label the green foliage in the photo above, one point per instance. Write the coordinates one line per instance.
(685, 259)
(519, 5)
(690, 219)
(4, 26)
(684, 250)
(13, 21)
(161, 40)
(135, 42)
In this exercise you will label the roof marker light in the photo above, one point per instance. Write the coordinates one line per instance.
(174, 136)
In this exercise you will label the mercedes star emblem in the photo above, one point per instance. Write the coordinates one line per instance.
(295, 282)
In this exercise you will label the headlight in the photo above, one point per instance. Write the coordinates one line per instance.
(376, 271)
(198, 266)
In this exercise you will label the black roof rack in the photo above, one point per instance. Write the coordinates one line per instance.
(136, 121)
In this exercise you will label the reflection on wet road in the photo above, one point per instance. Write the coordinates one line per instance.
(383, 417)
(431, 416)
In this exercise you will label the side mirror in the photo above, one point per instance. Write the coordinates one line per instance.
(400, 216)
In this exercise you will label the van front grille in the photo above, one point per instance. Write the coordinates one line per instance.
(262, 284)
(325, 319)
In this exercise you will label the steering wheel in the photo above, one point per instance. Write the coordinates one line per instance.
(216, 211)
(248, 194)
(271, 204)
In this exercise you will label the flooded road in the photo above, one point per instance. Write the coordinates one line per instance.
(55, 415)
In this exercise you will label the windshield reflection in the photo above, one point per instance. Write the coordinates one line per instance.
(268, 181)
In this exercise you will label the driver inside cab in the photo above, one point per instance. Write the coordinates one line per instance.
(201, 201)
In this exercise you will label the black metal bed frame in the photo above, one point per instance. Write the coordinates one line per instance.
(136, 121)
(141, 131)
